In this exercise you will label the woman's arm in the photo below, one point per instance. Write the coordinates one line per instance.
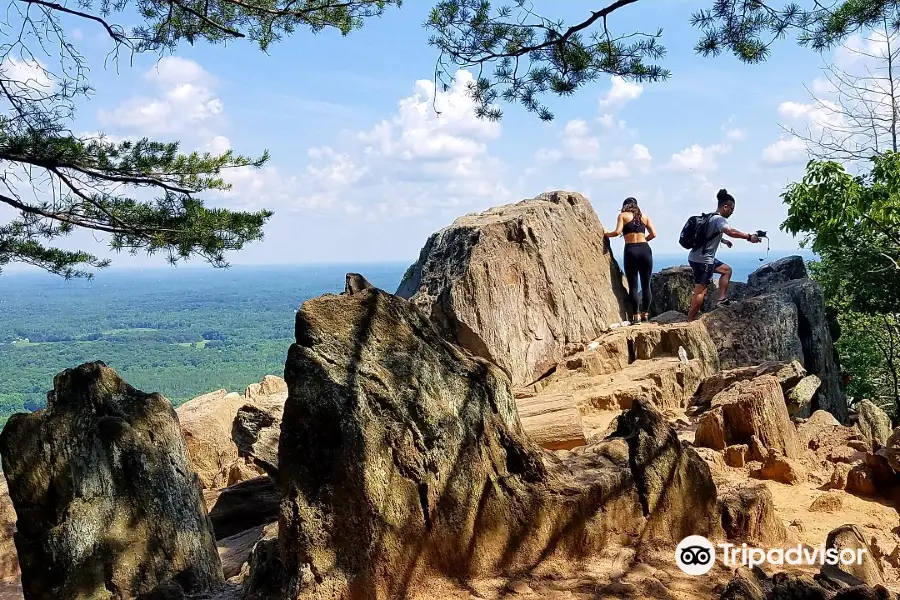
(620, 224)
(651, 230)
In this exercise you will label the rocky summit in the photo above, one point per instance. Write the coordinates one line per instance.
(491, 430)
(520, 283)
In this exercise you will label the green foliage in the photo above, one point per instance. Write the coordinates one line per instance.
(58, 182)
(869, 349)
(179, 333)
(853, 224)
(521, 55)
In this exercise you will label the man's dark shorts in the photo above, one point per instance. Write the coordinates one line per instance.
(703, 273)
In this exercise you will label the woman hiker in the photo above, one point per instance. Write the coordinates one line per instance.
(638, 230)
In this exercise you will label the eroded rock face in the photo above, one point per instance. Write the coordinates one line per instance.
(256, 429)
(789, 374)
(206, 424)
(756, 331)
(819, 357)
(108, 505)
(747, 409)
(874, 424)
(401, 453)
(779, 316)
(517, 283)
(748, 515)
(784, 269)
(849, 537)
(9, 562)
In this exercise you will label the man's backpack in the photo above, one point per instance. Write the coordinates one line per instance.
(693, 234)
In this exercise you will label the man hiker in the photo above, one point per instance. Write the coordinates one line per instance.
(703, 259)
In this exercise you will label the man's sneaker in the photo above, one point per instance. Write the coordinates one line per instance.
(725, 302)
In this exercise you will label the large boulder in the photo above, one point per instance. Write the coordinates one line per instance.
(748, 515)
(243, 506)
(874, 424)
(789, 374)
(108, 505)
(782, 323)
(518, 283)
(206, 424)
(819, 356)
(256, 429)
(850, 538)
(675, 484)
(748, 409)
(402, 453)
(755, 331)
(891, 450)
(9, 562)
(784, 269)
(672, 290)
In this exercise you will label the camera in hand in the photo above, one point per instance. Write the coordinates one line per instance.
(761, 234)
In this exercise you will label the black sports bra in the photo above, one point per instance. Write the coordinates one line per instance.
(635, 225)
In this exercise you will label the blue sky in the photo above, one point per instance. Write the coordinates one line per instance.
(363, 169)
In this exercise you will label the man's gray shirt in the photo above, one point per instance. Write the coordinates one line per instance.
(706, 254)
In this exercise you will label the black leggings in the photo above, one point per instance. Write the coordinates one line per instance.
(639, 264)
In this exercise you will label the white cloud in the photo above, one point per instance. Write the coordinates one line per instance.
(218, 145)
(621, 92)
(577, 141)
(785, 151)
(416, 162)
(615, 169)
(736, 134)
(698, 158)
(31, 77)
(185, 102)
(546, 156)
(640, 152)
(821, 114)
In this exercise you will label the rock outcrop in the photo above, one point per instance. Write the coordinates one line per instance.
(779, 316)
(891, 450)
(829, 584)
(785, 269)
(402, 453)
(748, 515)
(746, 410)
(849, 537)
(9, 562)
(256, 429)
(243, 506)
(270, 385)
(755, 331)
(519, 283)
(788, 374)
(206, 424)
(107, 503)
(874, 424)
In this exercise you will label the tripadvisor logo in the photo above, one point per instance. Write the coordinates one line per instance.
(695, 555)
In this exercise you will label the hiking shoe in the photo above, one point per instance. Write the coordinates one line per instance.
(725, 302)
